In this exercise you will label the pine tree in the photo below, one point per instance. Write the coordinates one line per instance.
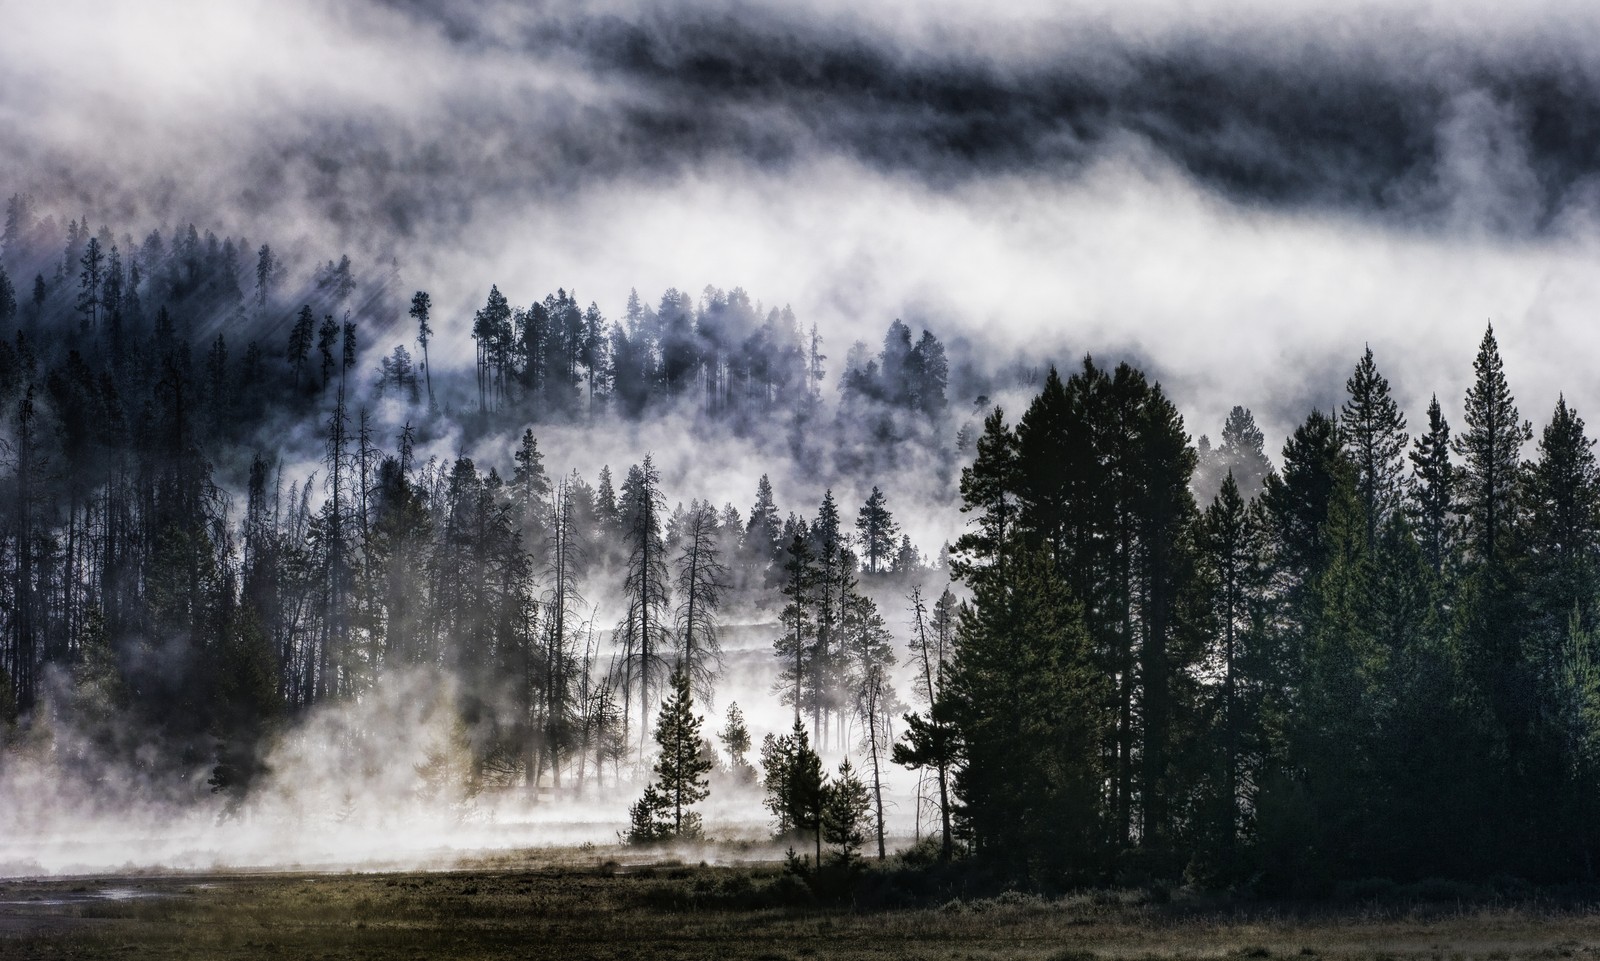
(796, 646)
(1297, 504)
(876, 531)
(791, 773)
(988, 490)
(8, 299)
(300, 341)
(1491, 451)
(763, 533)
(1498, 653)
(1232, 554)
(735, 738)
(267, 269)
(348, 349)
(1332, 736)
(846, 805)
(1372, 430)
(327, 340)
(702, 580)
(869, 657)
(645, 628)
(1055, 464)
(607, 514)
(111, 301)
(931, 375)
(1562, 499)
(929, 741)
(530, 491)
(561, 561)
(89, 281)
(1433, 489)
(1577, 715)
(680, 768)
(1028, 705)
(1161, 470)
(647, 821)
(491, 328)
(421, 306)
(833, 584)
(1242, 451)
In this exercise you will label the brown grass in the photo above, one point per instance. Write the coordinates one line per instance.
(570, 911)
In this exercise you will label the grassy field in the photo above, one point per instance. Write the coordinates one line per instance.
(572, 910)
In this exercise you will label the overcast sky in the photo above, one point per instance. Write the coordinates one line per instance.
(1238, 194)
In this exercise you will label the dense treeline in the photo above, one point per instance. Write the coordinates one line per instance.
(1379, 665)
(726, 355)
(1170, 660)
(167, 588)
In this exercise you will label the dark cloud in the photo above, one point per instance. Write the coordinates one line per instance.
(1227, 192)
(1371, 121)
(1353, 124)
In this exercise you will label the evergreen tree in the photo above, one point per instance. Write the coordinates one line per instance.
(702, 581)
(931, 375)
(300, 341)
(1372, 430)
(796, 646)
(1242, 451)
(680, 768)
(421, 308)
(492, 329)
(845, 810)
(1562, 500)
(327, 340)
(267, 270)
(1577, 715)
(735, 738)
(647, 817)
(988, 490)
(1331, 739)
(1164, 570)
(929, 741)
(347, 354)
(1028, 702)
(763, 534)
(8, 299)
(89, 282)
(869, 654)
(1233, 557)
(644, 630)
(791, 773)
(1491, 451)
(876, 531)
(1433, 489)
(530, 486)
(608, 515)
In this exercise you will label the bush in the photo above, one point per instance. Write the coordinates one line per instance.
(923, 854)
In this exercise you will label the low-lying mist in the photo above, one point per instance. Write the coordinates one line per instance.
(372, 784)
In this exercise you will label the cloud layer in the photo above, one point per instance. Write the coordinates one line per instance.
(1238, 196)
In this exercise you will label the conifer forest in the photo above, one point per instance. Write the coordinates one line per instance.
(906, 459)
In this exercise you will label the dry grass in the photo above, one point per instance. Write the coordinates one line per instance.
(569, 910)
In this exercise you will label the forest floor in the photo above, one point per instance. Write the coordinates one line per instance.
(571, 910)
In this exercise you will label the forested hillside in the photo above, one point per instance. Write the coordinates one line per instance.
(218, 517)
(234, 491)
